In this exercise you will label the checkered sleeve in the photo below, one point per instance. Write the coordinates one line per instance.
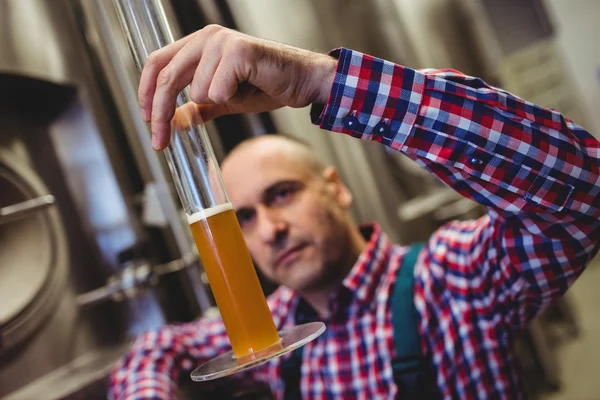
(537, 172)
(158, 359)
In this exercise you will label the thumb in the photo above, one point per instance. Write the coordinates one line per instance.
(208, 112)
(191, 114)
(188, 115)
(250, 102)
(185, 117)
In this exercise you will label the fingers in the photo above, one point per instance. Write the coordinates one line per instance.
(224, 84)
(220, 63)
(154, 64)
(200, 54)
(200, 57)
(205, 72)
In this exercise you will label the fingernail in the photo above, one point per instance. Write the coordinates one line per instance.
(154, 142)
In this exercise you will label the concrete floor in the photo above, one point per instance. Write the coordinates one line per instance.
(579, 359)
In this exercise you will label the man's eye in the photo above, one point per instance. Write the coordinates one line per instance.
(245, 218)
(283, 196)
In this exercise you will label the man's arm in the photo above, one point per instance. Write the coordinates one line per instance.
(537, 172)
(155, 363)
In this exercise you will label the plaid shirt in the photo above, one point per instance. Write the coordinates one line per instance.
(476, 282)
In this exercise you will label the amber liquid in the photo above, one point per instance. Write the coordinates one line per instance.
(233, 280)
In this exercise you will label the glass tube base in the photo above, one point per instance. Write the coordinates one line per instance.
(227, 364)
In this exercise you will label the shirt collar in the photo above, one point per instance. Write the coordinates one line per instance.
(359, 285)
(365, 275)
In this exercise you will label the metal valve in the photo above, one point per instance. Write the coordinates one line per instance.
(135, 277)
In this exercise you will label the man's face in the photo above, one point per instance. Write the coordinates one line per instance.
(293, 216)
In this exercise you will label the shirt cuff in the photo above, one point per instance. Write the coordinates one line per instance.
(371, 99)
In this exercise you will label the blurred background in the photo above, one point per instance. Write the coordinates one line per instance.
(94, 248)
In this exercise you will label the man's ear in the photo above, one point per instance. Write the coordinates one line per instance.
(341, 191)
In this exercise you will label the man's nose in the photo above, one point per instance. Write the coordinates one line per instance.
(272, 228)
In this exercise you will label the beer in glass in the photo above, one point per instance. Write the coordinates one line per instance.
(233, 280)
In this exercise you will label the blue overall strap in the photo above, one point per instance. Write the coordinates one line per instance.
(408, 366)
(409, 371)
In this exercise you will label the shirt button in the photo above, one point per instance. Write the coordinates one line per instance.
(382, 129)
(351, 122)
(475, 161)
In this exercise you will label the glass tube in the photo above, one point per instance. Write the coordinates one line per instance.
(197, 177)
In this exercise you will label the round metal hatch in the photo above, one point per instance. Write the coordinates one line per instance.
(33, 255)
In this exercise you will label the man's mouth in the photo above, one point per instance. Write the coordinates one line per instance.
(287, 256)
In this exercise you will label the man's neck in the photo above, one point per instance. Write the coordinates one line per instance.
(319, 298)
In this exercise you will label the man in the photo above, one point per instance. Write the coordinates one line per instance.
(477, 283)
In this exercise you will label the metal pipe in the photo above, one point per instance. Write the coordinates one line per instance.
(25, 208)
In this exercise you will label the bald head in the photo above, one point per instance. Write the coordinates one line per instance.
(293, 210)
(280, 146)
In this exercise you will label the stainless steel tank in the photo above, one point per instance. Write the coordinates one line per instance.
(92, 247)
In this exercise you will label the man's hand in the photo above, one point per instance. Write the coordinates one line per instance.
(229, 72)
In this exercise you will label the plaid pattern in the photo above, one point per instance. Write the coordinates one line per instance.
(476, 282)
(537, 172)
(352, 359)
